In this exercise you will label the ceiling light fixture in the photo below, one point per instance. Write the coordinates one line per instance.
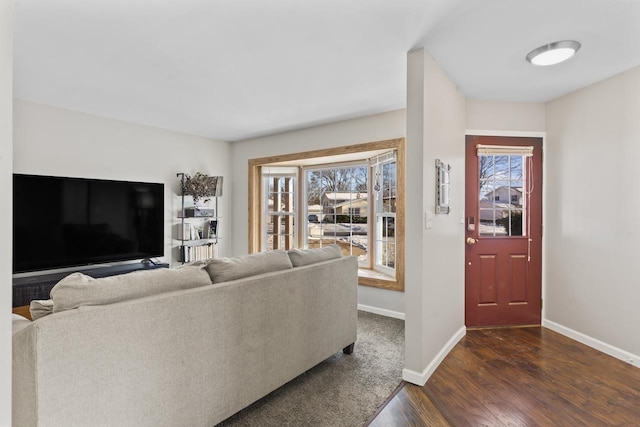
(553, 53)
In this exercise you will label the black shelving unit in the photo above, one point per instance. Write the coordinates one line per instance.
(204, 246)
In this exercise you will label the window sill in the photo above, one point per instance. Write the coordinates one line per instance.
(367, 277)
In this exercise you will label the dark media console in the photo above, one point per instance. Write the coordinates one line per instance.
(29, 288)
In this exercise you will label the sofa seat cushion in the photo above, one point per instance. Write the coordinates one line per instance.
(311, 256)
(227, 269)
(77, 289)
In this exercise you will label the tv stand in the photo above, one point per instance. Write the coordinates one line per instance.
(26, 289)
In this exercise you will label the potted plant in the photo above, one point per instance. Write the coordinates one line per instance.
(201, 187)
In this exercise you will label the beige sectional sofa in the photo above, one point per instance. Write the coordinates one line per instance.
(192, 354)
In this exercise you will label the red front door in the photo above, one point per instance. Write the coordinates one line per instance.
(503, 262)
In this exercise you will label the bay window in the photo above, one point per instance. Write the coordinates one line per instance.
(352, 197)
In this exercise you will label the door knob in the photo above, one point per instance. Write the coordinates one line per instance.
(471, 241)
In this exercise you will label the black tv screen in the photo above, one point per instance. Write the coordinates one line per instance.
(67, 222)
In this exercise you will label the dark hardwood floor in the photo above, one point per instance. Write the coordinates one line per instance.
(520, 377)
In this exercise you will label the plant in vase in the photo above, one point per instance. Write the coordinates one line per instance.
(201, 187)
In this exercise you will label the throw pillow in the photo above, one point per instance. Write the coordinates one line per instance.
(311, 256)
(226, 269)
(40, 308)
(78, 289)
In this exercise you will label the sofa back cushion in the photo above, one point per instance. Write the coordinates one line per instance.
(226, 269)
(311, 256)
(77, 289)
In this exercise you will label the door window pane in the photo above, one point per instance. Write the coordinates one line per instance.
(502, 207)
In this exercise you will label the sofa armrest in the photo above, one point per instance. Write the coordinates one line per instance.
(19, 323)
(24, 372)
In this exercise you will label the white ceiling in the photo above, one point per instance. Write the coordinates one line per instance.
(235, 69)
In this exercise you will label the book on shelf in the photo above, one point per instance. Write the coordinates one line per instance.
(191, 232)
(185, 232)
(199, 253)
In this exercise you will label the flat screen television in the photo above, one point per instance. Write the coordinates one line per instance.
(63, 222)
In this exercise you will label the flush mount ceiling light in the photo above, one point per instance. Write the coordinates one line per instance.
(553, 53)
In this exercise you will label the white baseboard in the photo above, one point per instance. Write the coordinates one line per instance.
(420, 378)
(381, 311)
(625, 356)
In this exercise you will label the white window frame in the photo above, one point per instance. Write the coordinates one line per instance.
(279, 172)
(379, 214)
(509, 152)
(365, 263)
(375, 214)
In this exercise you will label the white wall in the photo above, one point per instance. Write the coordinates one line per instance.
(505, 116)
(591, 228)
(380, 301)
(435, 257)
(55, 141)
(415, 359)
(6, 147)
(350, 132)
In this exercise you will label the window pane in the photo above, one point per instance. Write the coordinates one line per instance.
(516, 167)
(279, 231)
(321, 243)
(513, 222)
(339, 209)
(385, 193)
(337, 206)
(501, 195)
(385, 242)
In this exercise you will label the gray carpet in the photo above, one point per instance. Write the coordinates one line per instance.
(344, 390)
